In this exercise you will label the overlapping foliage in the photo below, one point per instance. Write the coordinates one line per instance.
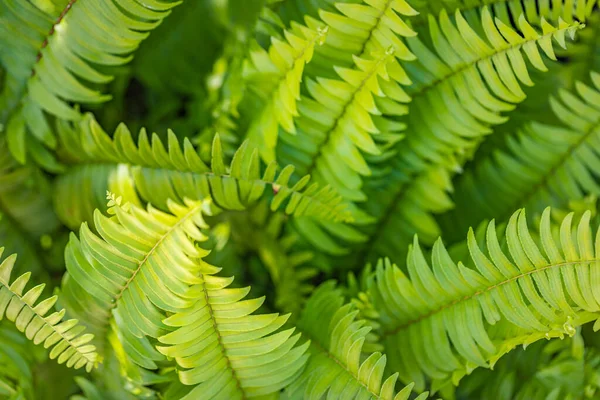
(147, 159)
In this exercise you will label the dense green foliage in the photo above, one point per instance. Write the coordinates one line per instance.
(299, 199)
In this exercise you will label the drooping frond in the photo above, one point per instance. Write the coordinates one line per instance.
(160, 174)
(458, 94)
(65, 338)
(51, 52)
(275, 76)
(335, 370)
(139, 267)
(543, 165)
(226, 352)
(445, 319)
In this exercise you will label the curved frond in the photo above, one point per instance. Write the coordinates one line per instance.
(65, 338)
(543, 165)
(54, 51)
(480, 77)
(335, 369)
(224, 350)
(174, 173)
(139, 267)
(460, 91)
(445, 319)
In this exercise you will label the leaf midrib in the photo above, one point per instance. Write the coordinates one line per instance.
(481, 292)
(172, 229)
(53, 327)
(496, 51)
(313, 199)
(339, 363)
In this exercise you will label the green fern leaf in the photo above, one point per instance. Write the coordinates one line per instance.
(480, 79)
(49, 65)
(159, 174)
(224, 350)
(64, 338)
(363, 29)
(537, 288)
(140, 267)
(335, 369)
(279, 69)
(544, 164)
(339, 118)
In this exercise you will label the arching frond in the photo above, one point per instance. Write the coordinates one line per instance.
(137, 269)
(457, 72)
(174, 173)
(275, 75)
(445, 319)
(65, 338)
(224, 350)
(52, 51)
(335, 369)
(468, 85)
(543, 165)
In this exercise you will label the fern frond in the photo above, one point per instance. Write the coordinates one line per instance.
(224, 350)
(445, 319)
(507, 10)
(276, 75)
(63, 337)
(159, 174)
(335, 126)
(362, 29)
(452, 110)
(335, 369)
(543, 165)
(459, 70)
(139, 267)
(62, 49)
